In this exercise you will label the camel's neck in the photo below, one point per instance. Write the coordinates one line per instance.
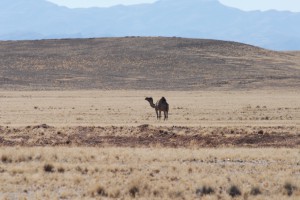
(152, 104)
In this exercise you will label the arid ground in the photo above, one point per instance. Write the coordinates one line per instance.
(139, 63)
(74, 123)
(125, 119)
(109, 144)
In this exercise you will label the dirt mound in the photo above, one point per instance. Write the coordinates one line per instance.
(144, 63)
(150, 136)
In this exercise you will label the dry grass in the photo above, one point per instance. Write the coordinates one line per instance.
(156, 172)
(159, 173)
(144, 63)
(104, 108)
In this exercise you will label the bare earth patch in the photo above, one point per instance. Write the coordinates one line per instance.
(151, 136)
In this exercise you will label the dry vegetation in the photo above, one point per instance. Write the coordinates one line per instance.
(233, 128)
(144, 63)
(108, 144)
(156, 173)
(128, 108)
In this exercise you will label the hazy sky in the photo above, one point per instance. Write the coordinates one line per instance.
(292, 5)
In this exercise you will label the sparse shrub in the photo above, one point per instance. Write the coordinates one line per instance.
(5, 159)
(234, 191)
(61, 170)
(289, 188)
(85, 171)
(45, 126)
(205, 191)
(255, 191)
(101, 191)
(133, 191)
(155, 193)
(82, 170)
(48, 168)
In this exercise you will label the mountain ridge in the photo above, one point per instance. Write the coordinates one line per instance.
(40, 19)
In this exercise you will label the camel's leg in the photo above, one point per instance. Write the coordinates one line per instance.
(165, 114)
(156, 113)
(159, 114)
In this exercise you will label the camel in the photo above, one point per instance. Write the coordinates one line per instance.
(160, 105)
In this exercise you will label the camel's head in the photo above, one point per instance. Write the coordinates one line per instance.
(150, 99)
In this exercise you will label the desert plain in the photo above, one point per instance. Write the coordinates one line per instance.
(61, 137)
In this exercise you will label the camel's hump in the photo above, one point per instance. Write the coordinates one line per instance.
(163, 99)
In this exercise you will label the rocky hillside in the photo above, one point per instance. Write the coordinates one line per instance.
(155, 63)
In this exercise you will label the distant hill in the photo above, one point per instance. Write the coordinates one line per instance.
(40, 19)
(145, 63)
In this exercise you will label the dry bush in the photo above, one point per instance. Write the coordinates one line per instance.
(134, 191)
(49, 168)
(60, 169)
(234, 191)
(289, 189)
(205, 190)
(101, 191)
(6, 159)
(255, 191)
(149, 173)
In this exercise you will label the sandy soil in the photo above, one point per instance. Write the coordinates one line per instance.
(125, 119)
(128, 108)
(109, 145)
